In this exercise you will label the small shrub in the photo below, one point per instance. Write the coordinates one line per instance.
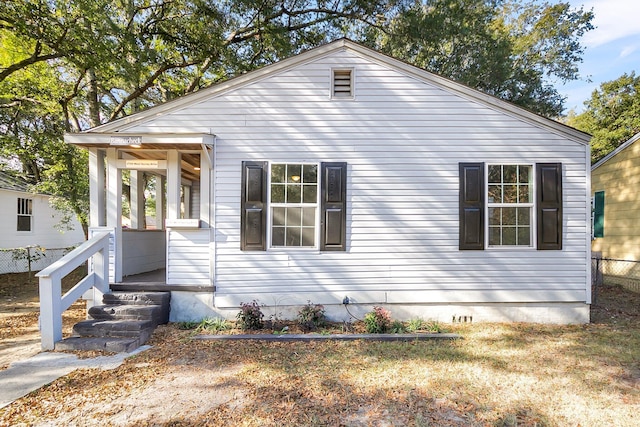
(311, 316)
(215, 324)
(250, 315)
(186, 325)
(415, 324)
(283, 331)
(433, 326)
(377, 321)
(397, 327)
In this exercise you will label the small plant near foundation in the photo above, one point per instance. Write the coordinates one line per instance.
(283, 331)
(311, 317)
(397, 327)
(213, 324)
(185, 326)
(377, 321)
(417, 324)
(250, 315)
(433, 326)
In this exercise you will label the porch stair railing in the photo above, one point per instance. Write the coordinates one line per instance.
(53, 303)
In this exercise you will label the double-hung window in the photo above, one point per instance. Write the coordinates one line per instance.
(286, 205)
(510, 205)
(25, 214)
(293, 205)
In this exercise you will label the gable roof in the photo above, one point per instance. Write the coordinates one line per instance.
(626, 144)
(9, 182)
(121, 125)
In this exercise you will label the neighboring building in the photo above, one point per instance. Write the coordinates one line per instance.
(342, 172)
(26, 219)
(615, 186)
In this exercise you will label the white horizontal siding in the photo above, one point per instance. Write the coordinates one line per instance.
(142, 251)
(403, 140)
(188, 258)
(43, 224)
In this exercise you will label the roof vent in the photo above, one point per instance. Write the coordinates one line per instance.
(342, 84)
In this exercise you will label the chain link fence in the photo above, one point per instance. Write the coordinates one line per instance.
(605, 271)
(29, 259)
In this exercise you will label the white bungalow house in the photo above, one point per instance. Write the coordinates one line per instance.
(342, 173)
(27, 219)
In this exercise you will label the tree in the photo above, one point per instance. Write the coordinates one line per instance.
(68, 66)
(509, 49)
(612, 114)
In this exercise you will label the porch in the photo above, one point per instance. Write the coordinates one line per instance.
(152, 193)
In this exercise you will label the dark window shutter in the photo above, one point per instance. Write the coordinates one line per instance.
(253, 228)
(333, 207)
(549, 205)
(598, 214)
(471, 206)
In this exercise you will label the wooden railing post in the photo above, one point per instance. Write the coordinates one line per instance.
(101, 271)
(50, 311)
(53, 303)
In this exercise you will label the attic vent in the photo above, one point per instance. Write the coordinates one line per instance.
(342, 84)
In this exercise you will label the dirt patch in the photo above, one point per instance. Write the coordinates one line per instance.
(616, 305)
(19, 311)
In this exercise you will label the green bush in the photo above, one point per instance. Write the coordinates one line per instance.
(397, 327)
(215, 324)
(311, 317)
(186, 325)
(250, 316)
(377, 321)
(418, 324)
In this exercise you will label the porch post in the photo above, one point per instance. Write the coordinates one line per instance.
(137, 200)
(96, 188)
(173, 184)
(160, 180)
(205, 192)
(186, 196)
(114, 209)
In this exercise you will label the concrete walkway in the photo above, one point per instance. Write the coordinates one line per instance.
(23, 377)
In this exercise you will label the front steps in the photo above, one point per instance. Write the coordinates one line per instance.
(122, 324)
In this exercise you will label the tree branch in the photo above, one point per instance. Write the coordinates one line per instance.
(142, 89)
(34, 58)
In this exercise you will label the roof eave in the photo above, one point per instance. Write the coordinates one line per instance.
(622, 146)
(123, 124)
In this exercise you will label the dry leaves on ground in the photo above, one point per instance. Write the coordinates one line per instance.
(499, 374)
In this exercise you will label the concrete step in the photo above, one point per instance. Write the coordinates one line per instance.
(110, 344)
(162, 299)
(141, 329)
(128, 312)
(137, 298)
(122, 324)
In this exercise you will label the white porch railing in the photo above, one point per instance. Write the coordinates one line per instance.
(53, 303)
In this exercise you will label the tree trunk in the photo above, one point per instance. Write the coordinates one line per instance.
(94, 104)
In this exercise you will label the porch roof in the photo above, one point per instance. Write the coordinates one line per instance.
(151, 146)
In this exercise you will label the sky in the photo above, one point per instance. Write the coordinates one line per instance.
(611, 49)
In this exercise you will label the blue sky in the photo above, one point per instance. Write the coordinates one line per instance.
(612, 48)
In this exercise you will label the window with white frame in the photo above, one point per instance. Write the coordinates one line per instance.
(293, 204)
(510, 205)
(25, 214)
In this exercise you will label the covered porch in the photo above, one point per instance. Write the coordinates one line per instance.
(153, 194)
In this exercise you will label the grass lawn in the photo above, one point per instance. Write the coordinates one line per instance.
(497, 375)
